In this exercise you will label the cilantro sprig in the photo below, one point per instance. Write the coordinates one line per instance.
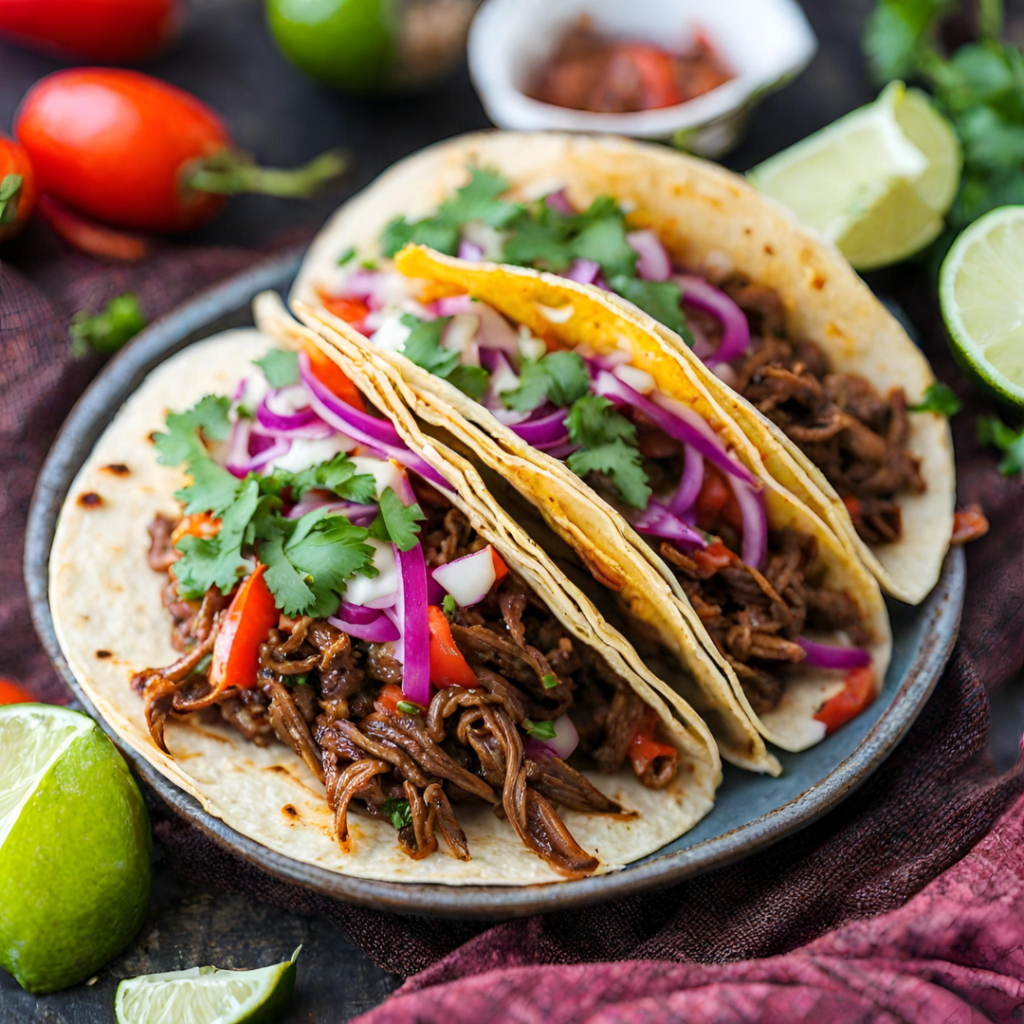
(399, 811)
(993, 431)
(940, 398)
(423, 347)
(107, 330)
(280, 367)
(397, 523)
(559, 377)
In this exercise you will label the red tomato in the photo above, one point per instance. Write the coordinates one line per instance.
(352, 311)
(645, 747)
(108, 31)
(447, 665)
(388, 698)
(657, 76)
(17, 208)
(849, 702)
(90, 236)
(717, 502)
(12, 693)
(115, 144)
(251, 615)
(713, 557)
(331, 375)
(500, 568)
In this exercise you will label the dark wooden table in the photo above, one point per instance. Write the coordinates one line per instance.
(227, 59)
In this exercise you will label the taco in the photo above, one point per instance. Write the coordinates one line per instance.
(811, 367)
(334, 638)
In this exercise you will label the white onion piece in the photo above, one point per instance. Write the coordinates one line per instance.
(304, 453)
(489, 240)
(288, 401)
(563, 743)
(531, 347)
(392, 333)
(468, 579)
(503, 377)
(556, 314)
(382, 590)
(460, 336)
(637, 379)
(386, 473)
(253, 390)
(725, 373)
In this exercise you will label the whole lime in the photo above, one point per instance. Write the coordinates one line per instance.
(74, 848)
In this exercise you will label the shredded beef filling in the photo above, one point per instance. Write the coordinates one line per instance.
(854, 435)
(324, 695)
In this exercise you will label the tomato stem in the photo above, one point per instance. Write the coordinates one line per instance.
(232, 171)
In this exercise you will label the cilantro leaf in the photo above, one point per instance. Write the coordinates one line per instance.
(539, 730)
(608, 442)
(330, 552)
(346, 256)
(993, 431)
(560, 377)
(423, 346)
(540, 243)
(470, 380)
(337, 476)
(431, 232)
(280, 367)
(212, 488)
(660, 299)
(291, 592)
(448, 606)
(532, 390)
(396, 522)
(603, 240)
(181, 443)
(895, 32)
(938, 397)
(399, 811)
(106, 331)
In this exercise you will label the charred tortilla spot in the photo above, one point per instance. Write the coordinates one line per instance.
(104, 654)
(152, 435)
(90, 499)
(768, 250)
(818, 282)
(117, 469)
(290, 811)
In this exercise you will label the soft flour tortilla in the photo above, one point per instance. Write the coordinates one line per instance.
(111, 623)
(707, 218)
(573, 315)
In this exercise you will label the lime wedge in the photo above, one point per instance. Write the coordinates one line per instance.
(877, 182)
(74, 847)
(981, 287)
(207, 995)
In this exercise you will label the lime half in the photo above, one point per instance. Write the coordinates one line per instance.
(877, 182)
(74, 847)
(981, 287)
(207, 995)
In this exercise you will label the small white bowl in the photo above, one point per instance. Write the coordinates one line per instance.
(764, 43)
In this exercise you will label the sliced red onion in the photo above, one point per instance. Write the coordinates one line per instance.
(358, 613)
(833, 655)
(380, 630)
(314, 430)
(495, 330)
(378, 289)
(470, 251)
(559, 202)
(271, 412)
(562, 744)
(452, 305)
(673, 424)
(312, 501)
(608, 360)
(755, 524)
(703, 295)
(468, 579)
(546, 432)
(658, 521)
(255, 462)
(412, 609)
(563, 451)
(379, 435)
(690, 483)
(583, 271)
(238, 447)
(435, 592)
(653, 263)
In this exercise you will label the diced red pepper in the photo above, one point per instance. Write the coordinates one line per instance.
(251, 615)
(447, 665)
(644, 745)
(714, 557)
(388, 698)
(352, 311)
(12, 693)
(857, 694)
(331, 375)
(717, 502)
(500, 568)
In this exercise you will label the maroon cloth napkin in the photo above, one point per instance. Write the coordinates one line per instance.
(928, 805)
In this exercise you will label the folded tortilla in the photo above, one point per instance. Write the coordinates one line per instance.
(707, 218)
(111, 623)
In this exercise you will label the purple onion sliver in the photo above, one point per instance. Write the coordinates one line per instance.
(563, 451)
(412, 591)
(690, 483)
(703, 295)
(657, 521)
(832, 655)
(535, 750)
(255, 462)
(470, 251)
(357, 613)
(314, 430)
(547, 430)
(282, 421)
(559, 202)
(349, 417)
(379, 630)
(238, 448)
(755, 524)
(653, 263)
(583, 271)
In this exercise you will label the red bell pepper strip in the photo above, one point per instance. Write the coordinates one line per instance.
(500, 568)
(344, 307)
(858, 693)
(645, 747)
(447, 665)
(12, 693)
(251, 615)
(327, 371)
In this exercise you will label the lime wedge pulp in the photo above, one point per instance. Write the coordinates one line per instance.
(981, 287)
(877, 182)
(74, 847)
(207, 995)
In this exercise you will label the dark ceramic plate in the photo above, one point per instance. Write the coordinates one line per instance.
(751, 811)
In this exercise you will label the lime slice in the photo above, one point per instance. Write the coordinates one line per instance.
(981, 287)
(207, 995)
(877, 182)
(74, 847)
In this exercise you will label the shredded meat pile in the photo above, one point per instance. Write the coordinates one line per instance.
(856, 437)
(321, 694)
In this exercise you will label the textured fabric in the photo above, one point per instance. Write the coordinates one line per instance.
(927, 806)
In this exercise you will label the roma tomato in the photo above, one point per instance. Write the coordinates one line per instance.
(128, 150)
(17, 188)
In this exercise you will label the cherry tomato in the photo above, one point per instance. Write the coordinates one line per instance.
(12, 693)
(108, 31)
(17, 188)
(251, 615)
(645, 747)
(134, 152)
(331, 375)
(447, 665)
(846, 705)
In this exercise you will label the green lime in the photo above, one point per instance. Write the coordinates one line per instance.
(207, 995)
(981, 287)
(350, 44)
(877, 182)
(74, 847)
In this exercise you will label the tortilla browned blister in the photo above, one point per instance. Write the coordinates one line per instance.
(707, 218)
(111, 623)
(576, 315)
